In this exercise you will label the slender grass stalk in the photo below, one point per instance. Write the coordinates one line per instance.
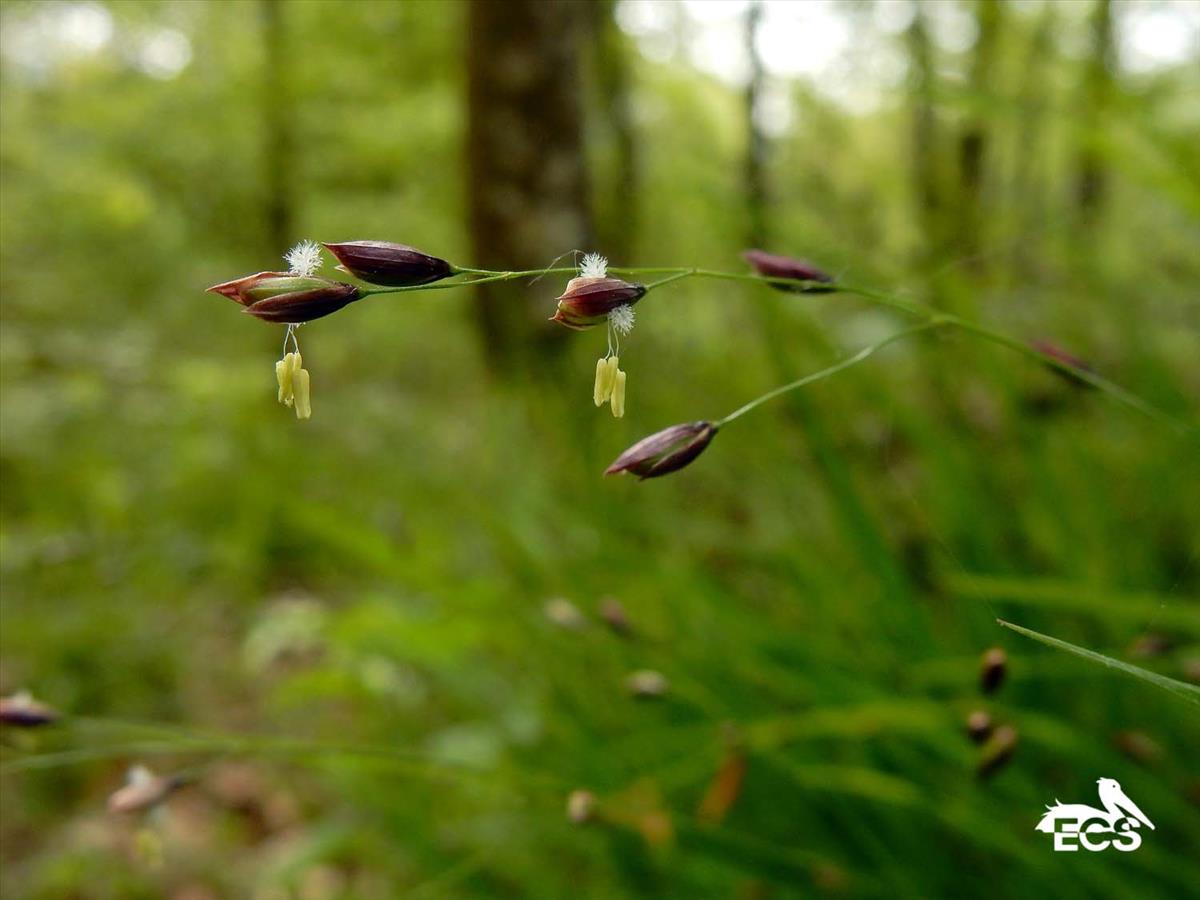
(931, 317)
(174, 741)
(854, 360)
(670, 278)
(1188, 692)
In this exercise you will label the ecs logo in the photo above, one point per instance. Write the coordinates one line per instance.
(1115, 825)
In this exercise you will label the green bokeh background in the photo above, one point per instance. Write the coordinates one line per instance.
(176, 549)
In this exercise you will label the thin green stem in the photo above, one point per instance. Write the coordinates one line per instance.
(910, 307)
(1118, 393)
(854, 360)
(879, 298)
(173, 741)
(466, 270)
(814, 287)
(440, 286)
(683, 274)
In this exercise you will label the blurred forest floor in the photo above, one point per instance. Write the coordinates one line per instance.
(379, 645)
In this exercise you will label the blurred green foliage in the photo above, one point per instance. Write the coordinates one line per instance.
(817, 589)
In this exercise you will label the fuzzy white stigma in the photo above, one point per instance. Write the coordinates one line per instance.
(594, 266)
(622, 319)
(304, 258)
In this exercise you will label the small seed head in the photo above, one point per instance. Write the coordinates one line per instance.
(664, 452)
(993, 666)
(581, 807)
(22, 711)
(613, 613)
(385, 263)
(565, 614)
(143, 790)
(769, 265)
(588, 301)
(286, 298)
(979, 726)
(647, 683)
(999, 749)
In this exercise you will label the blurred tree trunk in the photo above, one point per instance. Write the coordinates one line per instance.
(278, 140)
(930, 166)
(925, 152)
(616, 205)
(756, 146)
(1099, 82)
(975, 137)
(528, 174)
(1028, 191)
(897, 614)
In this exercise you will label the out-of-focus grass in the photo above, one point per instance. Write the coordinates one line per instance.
(175, 548)
(1187, 692)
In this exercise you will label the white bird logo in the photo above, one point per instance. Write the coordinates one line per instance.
(1117, 807)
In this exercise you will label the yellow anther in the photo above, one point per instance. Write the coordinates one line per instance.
(598, 391)
(300, 385)
(293, 384)
(606, 375)
(284, 371)
(283, 375)
(618, 394)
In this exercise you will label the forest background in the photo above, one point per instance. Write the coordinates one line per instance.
(343, 632)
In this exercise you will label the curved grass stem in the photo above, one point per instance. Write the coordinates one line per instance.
(929, 316)
(860, 356)
(153, 740)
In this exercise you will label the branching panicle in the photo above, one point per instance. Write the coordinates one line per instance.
(595, 295)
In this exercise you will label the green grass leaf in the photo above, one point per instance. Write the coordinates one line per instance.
(1188, 692)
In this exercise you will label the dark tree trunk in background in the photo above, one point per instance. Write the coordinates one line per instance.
(1028, 193)
(1099, 82)
(278, 139)
(925, 152)
(528, 175)
(616, 205)
(756, 140)
(974, 140)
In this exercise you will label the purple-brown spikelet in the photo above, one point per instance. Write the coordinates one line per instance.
(770, 265)
(287, 299)
(304, 306)
(612, 611)
(236, 290)
(22, 711)
(392, 265)
(1053, 351)
(588, 300)
(665, 451)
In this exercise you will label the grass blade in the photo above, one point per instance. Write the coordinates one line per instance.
(1188, 692)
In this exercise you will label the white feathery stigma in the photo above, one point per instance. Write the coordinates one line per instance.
(593, 266)
(622, 319)
(304, 258)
